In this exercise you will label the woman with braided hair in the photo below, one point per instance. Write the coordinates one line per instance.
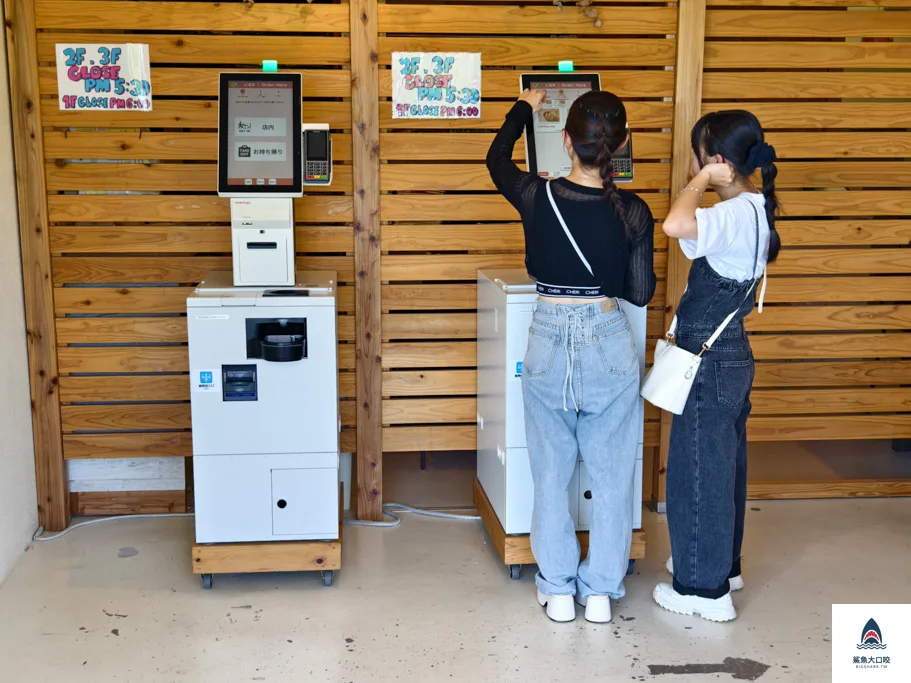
(587, 244)
(730, 244)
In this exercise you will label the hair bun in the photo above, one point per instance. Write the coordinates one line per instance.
(760, 154)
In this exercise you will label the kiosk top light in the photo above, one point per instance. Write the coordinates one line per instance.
(270, 65)
(566, 66)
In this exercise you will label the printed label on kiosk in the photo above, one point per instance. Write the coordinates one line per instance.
(544, 152)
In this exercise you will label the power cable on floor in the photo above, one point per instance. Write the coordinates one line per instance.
(38, 536)
(387, 511)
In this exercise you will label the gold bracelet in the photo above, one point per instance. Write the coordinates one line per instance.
(690, 189)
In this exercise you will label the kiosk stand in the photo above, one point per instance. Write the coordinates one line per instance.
(503, 490)
(263, 356)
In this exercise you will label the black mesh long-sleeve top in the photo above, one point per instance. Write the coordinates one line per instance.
(621, 258)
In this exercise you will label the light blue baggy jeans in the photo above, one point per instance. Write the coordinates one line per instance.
(580, 386)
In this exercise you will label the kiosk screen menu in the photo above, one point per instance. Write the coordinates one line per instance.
(260, 130)
(551, 160)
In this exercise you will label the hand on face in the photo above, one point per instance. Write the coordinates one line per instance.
(716, 171)
(533, 97)
(719, 175)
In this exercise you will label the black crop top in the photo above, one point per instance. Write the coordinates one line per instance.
(623, 264)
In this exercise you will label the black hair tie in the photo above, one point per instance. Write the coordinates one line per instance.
(760, 154)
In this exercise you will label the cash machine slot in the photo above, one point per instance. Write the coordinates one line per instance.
(277, 340)
(239, 383)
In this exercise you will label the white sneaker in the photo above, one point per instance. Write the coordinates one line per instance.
(736, 581)
(559, 607)
(720, 609)
(597, 608)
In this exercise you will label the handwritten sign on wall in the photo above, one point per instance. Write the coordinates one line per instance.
(97, 77)
(432, 85)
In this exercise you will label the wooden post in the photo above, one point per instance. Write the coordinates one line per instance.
(366, 171)
(687, 110)
(28, 143)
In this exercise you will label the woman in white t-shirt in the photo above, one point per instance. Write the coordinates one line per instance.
(730, 245)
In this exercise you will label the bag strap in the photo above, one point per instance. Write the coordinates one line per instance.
(727, 321)
(553, 203)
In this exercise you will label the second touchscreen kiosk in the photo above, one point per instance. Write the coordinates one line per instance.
(262, 166)
(544, 151)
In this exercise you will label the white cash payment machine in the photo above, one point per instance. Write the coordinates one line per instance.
(263, 348)
(506, 303)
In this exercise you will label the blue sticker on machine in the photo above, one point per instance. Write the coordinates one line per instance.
(519, 369)
(205, 378)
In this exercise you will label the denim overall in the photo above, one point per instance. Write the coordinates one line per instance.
(707, 461)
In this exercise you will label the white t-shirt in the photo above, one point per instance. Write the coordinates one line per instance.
(726, 237)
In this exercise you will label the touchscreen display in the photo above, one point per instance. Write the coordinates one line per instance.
(548, 123)
(318, 145)
(260, 133)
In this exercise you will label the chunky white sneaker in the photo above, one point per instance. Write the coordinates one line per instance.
(720, 609)
(597, 608)
(736, 581)
(559, 607)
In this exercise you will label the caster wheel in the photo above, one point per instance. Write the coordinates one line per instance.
(630, 568)
(515, 572)
(207, 581)
(327, 577)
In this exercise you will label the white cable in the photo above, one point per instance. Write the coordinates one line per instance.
(40, 537)
(387, 511)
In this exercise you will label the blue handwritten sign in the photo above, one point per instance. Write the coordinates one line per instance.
(98, 77)
(430, 85)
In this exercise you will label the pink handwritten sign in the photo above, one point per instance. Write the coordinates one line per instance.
(430, 85)
(98, 77)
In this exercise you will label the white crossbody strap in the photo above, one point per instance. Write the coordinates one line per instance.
(550, 196)
(672, 331)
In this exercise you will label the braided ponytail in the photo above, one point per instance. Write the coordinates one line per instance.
(604, 162)
(769, 173)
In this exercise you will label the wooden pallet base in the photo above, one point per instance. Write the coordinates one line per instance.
(271, 556)
(243, 558)
(517, 549)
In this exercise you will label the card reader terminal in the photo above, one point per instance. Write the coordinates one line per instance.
(317, 154)
(622, 162)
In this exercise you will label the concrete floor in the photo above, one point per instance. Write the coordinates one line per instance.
(429, 601)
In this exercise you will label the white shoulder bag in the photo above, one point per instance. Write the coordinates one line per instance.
(667, 385)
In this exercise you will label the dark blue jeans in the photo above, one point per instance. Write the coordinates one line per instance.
(707, 464)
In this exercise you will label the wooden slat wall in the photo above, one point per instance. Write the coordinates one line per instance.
(834, 343)
(135, 222)
(443, 220)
